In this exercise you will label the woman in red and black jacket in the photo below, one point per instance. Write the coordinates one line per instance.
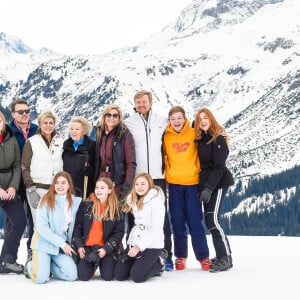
(115, 151)
(215, 178)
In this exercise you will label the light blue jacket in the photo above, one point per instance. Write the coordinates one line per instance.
(50, 233)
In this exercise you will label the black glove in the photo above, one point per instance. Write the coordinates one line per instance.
(125, 190)
(33, 197)
(205, 195)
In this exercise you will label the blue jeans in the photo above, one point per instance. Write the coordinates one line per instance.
(15, 216)
(186, 214)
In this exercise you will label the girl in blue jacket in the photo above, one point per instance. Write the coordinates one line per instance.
(55, 218)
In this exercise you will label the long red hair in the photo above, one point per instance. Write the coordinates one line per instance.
(215, 128)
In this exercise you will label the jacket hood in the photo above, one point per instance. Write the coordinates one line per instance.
(151, 194)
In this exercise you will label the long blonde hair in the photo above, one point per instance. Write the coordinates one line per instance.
(101, 126)
(215, 128)
(112, 208)
(133, 195)
(49, 197)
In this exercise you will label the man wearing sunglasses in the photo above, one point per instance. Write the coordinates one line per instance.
(23, 129)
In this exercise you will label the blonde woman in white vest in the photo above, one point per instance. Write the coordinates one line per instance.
(41, 160)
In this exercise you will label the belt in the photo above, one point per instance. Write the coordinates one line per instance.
(5, 170)
(106, 169)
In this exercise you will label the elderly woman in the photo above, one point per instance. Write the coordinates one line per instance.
(79, 156)
(115, 151)
(10, 174)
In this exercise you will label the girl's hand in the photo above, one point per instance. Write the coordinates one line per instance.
(102, 252)
(81, 252)
(133, 251)
(68, 250)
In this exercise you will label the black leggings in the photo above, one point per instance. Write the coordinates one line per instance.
(140, 269)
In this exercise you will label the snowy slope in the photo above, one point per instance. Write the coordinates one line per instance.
(258, 273)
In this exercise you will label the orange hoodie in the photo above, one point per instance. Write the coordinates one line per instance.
(182, 164)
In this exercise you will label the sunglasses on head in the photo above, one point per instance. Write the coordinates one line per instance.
(109, 115)
(22, 111)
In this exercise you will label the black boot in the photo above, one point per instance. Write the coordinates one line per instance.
(221, 264)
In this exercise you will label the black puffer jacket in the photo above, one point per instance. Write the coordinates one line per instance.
(10, 163)
(113, 230)
(74, 163)
(214, 174)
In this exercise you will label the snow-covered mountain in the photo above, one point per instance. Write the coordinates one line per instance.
(240, 58)
(13, 44)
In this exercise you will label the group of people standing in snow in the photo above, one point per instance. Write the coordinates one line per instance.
(113, 203)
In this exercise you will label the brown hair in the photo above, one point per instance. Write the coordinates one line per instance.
(112, 209)
(176, 109)
(133, 194)
(4, 122)
(49, 197)
(215, 128)
(141, 93)
(101, 127)
(17, 101)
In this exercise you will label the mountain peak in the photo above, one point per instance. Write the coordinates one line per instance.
(206, 15)
(13, 44)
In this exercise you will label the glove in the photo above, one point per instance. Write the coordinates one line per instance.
(33, 197)
(205, 195)
(125, 189)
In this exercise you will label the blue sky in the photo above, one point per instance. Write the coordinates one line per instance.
(86, 26)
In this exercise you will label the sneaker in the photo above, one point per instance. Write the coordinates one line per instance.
(169, 266)
(205, 264)
(222, 264)
(180, 263)
(213, 260)
(6, 268)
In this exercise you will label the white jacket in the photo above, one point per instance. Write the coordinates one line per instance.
(148, 230)
(147, 136)
(45, 162)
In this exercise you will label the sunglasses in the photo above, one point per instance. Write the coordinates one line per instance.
(109, 115)
(22, 111)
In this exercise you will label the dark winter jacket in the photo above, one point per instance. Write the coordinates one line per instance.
(19, 134)
(80, 163)
(214, 174)
(10, 161)
(113, 230)
(118, 150)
